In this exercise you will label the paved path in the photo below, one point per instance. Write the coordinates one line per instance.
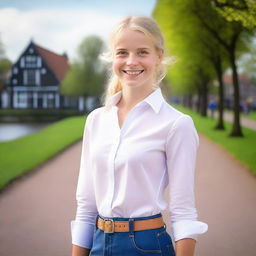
(226, 196)
(245, 121)
(35, 212)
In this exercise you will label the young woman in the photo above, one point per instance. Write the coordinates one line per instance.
(133, 147)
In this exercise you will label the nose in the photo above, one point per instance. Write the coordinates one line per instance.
(132, 59)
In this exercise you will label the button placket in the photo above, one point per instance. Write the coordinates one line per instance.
(114, 151)
(112, 169)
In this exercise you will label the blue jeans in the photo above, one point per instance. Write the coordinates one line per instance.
(152, 242)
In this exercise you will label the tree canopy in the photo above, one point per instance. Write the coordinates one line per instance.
(243, 11)
(201, 37)
(87, 74)
(5, 65)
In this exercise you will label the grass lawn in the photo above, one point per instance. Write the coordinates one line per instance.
(251, 115)
(243, 149)
(23, 154)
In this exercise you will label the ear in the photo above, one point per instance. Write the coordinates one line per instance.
(160, 54)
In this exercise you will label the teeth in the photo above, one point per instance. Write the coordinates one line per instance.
(133, 72)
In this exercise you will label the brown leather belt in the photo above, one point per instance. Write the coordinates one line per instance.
(111, 226)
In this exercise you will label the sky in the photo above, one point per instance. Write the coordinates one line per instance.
(60, 25)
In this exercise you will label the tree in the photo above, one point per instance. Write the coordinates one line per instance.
(194, 72)
(202, 18)
(230, 42)
(87, 74)
(247, 62)
(5, 65)
(243, 11)
(2, 52)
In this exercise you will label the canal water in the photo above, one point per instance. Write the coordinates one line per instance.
(11, 131)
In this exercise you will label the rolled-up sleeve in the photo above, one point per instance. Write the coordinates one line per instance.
(82, 228)
(181, 150)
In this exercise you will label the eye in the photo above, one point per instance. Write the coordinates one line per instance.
(121, 53)
(143, 52)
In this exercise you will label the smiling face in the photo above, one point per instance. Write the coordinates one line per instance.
(135, 59)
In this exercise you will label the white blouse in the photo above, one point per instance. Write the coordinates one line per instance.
(124, 172)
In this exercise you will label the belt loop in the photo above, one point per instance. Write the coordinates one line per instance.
(131, 227)
(96, 222)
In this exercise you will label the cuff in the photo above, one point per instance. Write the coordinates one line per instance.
(188, 229)
(82, 234)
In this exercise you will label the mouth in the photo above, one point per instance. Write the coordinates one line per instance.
(133, 72)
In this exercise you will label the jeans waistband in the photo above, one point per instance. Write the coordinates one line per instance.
(134, 218)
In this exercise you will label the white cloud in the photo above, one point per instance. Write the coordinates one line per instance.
(58, 30)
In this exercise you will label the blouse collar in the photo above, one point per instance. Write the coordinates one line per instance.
(155, 99)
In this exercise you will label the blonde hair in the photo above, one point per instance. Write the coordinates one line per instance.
(147, 26)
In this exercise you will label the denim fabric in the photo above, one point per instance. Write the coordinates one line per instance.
(153, 242)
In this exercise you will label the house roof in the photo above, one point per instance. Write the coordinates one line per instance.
(243, 77)
(57, 63)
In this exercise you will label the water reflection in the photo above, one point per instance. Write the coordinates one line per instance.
(13, 131)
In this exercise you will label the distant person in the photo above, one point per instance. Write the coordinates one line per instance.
(248, 103)
(133, 147)
(245, 107)
(212, 107)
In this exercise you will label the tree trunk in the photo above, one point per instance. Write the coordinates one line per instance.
(236, 129)
(198, 103)
(220, 123)
(183, 100)
(186, 101)
(190, 104)
(204, 101)
(0, 99)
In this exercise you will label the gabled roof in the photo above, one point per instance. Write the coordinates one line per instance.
(57, 63)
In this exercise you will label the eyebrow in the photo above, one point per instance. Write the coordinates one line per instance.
(140, 48)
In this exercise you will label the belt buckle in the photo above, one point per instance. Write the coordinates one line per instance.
(112, 226)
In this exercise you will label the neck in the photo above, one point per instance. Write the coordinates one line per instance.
(132, 96)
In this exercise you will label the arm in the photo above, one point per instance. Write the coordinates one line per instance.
(185, 247)
(80, 251)
(82, 228)
(181, 149)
